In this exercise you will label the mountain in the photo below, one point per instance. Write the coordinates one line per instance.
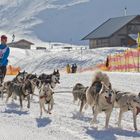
(65, 21)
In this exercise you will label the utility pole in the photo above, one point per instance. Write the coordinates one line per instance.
(125, 11)
(13, 38)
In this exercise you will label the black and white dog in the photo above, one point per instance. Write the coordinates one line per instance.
(21, 90)
(79, 93)
(51, 79)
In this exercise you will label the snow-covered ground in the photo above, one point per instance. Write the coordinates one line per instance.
(65, 123)
(43, 61)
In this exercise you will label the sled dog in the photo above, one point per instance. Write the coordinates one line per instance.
(127, 101)
(46, 96)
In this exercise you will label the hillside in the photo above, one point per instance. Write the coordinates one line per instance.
(43, 61)
(64, 21)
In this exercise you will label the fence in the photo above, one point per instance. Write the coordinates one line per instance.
(11, 70)
(128, 61)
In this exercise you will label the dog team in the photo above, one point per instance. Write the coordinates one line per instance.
(23, 86)
(101, 97)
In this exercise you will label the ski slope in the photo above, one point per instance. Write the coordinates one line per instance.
(65, 123)
(42, 61)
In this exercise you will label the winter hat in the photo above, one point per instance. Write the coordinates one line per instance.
(3, 37)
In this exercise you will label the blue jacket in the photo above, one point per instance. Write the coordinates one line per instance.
(4, 59)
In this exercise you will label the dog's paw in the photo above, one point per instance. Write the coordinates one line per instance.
(86, 106)
(136, 129)
(49, 112)
(119, 125)
(95, 126)
(93, 121)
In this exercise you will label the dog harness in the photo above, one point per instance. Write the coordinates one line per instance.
(138, 110)
(43, 96)
(131, 107)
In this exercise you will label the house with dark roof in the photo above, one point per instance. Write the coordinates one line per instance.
(21, 44)
(115, 32)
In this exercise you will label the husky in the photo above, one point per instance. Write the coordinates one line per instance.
(99, 76)
(31, 76)
(102, 102)
(56, 73)
(4, 87)
(20, 77)
(36, 83)
(79, 93)
(96, 85)
(100, 96)
(127, 101)
(21, 90)
(49, 79)
(46, 96)
(33, 79)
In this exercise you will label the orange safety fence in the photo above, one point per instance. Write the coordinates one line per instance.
(11, 70)
(102, 67)
(128, 61)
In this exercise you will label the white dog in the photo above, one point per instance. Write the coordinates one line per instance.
(100, 96)
(128, 101)
(46, 97)
(103, 102)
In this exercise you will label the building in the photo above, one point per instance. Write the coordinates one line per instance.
(41, 48)
(115, 32)
(22, 44)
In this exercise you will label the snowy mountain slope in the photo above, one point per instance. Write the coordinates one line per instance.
(65, 123)
(59, 20)
(23, 15)
(42, 61)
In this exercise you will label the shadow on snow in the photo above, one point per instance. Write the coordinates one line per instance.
(42, 122)
(111, 133)
(18, 112)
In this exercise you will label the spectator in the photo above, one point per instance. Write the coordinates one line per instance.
(68, 68)
(4, 53)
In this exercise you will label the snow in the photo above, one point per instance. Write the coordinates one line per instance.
(25, 16)
(47, 22)
(66, 21)
(65, 123)
(42, 61)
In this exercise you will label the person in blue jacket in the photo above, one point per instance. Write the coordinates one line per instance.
(4, 53)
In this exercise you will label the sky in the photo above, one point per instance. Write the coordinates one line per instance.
(66, 21)
(73, 23)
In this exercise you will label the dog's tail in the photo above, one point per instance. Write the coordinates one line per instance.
(102, 77)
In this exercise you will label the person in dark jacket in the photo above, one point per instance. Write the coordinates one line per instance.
(75, 68)
(4, 53)
(72, 68)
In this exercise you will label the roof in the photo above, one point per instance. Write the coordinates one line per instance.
(109, 27)
(22, 40)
